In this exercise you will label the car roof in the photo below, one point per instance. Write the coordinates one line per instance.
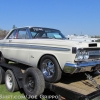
(44, 28)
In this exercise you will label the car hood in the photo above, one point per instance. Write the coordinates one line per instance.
(65, 43)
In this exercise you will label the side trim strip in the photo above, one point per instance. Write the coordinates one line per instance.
(35, 47)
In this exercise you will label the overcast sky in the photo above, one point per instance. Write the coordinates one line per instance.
(69, 16)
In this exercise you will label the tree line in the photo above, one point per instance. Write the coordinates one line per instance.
(3, 33)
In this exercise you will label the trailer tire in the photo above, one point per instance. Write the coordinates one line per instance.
(10, 81)
(33, 82)
(2, 75)
(50, 68)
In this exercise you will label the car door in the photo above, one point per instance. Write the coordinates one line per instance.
(19, 47)
(6, 51)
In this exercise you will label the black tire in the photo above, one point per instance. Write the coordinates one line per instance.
(3, 60)
(10, 81)
(55, 71)
(6, 60)
(2, 75)
(33, 82)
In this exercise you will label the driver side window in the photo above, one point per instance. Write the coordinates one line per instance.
(12, 35)
(19, 34)
(22, 34)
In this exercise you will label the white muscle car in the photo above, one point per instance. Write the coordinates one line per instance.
(50, 51)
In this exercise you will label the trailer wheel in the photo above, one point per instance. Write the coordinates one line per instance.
(50, 68)
(10, 81)
(33, 82)
(2, 75)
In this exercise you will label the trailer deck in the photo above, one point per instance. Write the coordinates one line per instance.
(76, 86)
(73, 87)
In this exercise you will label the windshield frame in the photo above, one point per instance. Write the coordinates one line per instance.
(38, 33)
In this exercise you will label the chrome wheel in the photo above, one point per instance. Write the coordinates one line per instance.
(48, 69)
(9, 81)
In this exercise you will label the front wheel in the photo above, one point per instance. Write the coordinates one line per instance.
(50, 68)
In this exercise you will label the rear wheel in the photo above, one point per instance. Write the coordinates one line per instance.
(10, 81)
(2, 59)
(6, 60)
(50, 68)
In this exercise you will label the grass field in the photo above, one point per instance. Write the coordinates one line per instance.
(6, 95)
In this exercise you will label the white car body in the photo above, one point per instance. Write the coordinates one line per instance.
(29, 51)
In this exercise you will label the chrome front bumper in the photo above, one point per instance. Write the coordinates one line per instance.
(81, 67)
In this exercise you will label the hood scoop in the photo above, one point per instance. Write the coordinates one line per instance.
(93, 45)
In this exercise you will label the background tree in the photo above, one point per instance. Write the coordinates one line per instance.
(3, 33)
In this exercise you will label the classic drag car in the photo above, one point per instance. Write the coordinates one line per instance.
(50, 51)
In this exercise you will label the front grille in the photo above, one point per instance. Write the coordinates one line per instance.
(94, 56)
(93, 50)
(94, 53)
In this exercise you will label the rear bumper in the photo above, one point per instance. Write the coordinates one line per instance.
(81, 67)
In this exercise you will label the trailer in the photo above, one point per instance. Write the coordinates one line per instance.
(77, 87)
(82, 86)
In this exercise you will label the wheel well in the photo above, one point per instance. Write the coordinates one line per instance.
(46, 55)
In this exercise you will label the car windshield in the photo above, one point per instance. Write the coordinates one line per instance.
(46, 33)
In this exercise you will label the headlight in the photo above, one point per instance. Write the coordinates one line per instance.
(82, 55)
(79, 57)
(86, 55)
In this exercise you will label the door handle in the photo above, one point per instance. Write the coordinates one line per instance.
(10, 40)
